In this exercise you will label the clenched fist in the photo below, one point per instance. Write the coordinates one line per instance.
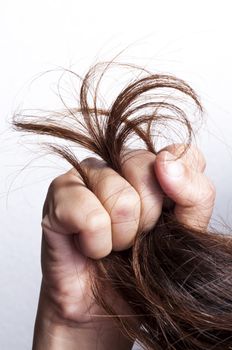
(79, 224)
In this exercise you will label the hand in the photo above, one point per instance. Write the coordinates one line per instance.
(79, 223)
(185, 183)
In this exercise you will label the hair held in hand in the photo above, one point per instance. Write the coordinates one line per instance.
(176, 279)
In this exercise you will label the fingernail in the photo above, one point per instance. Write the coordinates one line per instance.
(173, 168)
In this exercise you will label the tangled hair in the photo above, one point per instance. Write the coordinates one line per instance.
(176, 279)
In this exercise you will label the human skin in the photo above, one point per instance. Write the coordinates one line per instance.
(78, 223)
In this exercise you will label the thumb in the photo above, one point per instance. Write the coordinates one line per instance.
(191, 190)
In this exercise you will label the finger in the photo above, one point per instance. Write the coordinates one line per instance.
(192, 191)
(72, 208)
(193, 157)
(137, 168)
(64, 247)
(119, 199)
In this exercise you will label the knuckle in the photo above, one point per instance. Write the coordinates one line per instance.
(72, 171)
(128, 153)
(92, 167)
(65, 216)
(89, 162)
(57, 182)
(97, 220)
(64, 179)
(126, 203)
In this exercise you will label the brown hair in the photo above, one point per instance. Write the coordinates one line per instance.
(176, 279)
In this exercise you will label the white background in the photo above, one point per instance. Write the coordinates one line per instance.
(191, 39)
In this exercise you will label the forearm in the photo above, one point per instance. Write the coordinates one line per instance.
(53, 333)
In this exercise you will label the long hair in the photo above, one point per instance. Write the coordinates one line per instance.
(176, 279)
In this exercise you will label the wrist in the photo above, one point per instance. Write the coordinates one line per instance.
(55, 332)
